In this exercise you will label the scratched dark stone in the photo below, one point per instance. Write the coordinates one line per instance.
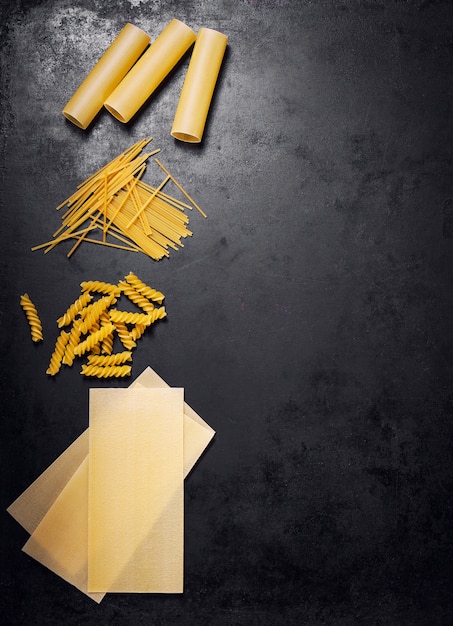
(309, 317)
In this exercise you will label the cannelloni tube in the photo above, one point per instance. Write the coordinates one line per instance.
(147, 74)
(198, 87)
(108, 72)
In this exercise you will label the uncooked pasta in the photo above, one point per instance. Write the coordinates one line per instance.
(32, 316)
(99, 286)
(137, 331)
(129, 318)
(92, 313)
(136, 297)
(119, 358)
(57, 356)
(93, 339)
(73, 340)
(108, 371)
(74, 309)
(124, 335)
(158, 314)
(91, 328)
(115, 203)
(145, 290)
(106, 346)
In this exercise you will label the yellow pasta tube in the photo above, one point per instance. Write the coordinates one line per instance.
(147, 74)
(108, 72)
(199, 84)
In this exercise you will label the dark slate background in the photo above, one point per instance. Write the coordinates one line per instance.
(309, 317)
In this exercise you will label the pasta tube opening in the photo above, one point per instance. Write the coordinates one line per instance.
(108, 72)
(198, 88)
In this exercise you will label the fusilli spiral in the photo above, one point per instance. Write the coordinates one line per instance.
(73, 340)
(107, 343)
(109, 371)
(95, 326)
(136, 297)
(129, 318)
(110, 359)
(74, 309)
(32, 317)
(138, 330)
(91, 314)
(146, 290)
(158, 314)
(98, 286)
(93, 339)
(124, 335)
(57, 356)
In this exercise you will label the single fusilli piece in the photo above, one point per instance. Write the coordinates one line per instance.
(138, 330)
(94, 338)
(32, 317)
(125, 336)
(96, 348)
(106, 344)
(98, 286)
(158, 314)
(57, 356)
(74, 309)
(145, 290)
(128, 318)
(136, 297)
(73, 340)
(91, 314)
(109, 371)
(119, 358)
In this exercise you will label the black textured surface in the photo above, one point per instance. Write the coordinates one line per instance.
(309, 317)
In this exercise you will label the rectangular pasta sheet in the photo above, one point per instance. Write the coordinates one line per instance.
(32, 505)
(197, 433)
(135, 491)
(60, 540)
(62, 485)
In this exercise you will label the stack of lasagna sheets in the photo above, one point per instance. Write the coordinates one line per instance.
(108, 514)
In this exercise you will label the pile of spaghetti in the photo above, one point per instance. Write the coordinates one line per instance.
(115, 207)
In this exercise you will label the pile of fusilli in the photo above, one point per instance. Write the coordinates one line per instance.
(91, 327)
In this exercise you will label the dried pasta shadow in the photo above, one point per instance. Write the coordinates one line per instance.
(208, 447)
